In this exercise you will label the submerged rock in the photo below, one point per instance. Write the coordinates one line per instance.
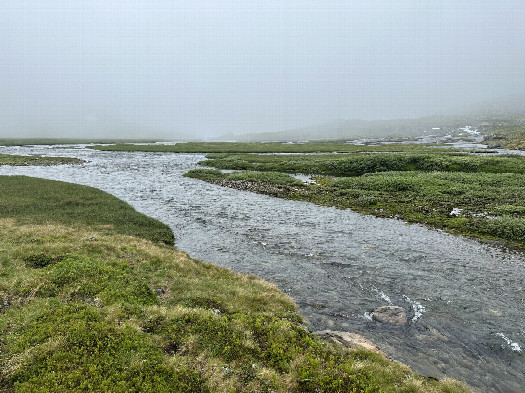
(349, 340)
(390, 314)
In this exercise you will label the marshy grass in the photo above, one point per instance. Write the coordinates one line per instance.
(90, 306)
(431, 160)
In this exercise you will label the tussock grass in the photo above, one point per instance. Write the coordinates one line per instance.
(89, 310)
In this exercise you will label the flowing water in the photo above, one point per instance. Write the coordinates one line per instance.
(465, 300)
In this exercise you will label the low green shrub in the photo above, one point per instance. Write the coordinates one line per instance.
(72, 347)
(78, 277)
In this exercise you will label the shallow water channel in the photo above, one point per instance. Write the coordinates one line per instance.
(465, 300)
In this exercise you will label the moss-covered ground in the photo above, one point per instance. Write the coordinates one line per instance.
(481, 196)
(88, 305)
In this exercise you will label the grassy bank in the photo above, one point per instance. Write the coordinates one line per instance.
(277, 147)
(507, 137)
(37, 201)
(85, 307)
(429, 160)
(467, 194)
(8, 159)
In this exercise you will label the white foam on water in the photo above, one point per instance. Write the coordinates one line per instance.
(383, 295)
(455, 212)
(418, 308)
(514, 347)
(368, 316)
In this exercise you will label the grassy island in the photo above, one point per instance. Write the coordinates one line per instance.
(93, 298)
(475, 195)
(8, 159)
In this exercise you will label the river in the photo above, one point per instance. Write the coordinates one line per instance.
(465, 300)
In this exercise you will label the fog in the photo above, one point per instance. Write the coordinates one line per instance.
(203, 68)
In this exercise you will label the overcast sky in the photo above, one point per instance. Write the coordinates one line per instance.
(96, 68)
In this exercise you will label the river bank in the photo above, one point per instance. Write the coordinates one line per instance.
(87, 307)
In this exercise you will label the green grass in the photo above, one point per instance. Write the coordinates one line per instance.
(8, 159)
(86, 309)
(235, 147)
(432, 160)
(492, 204)
(32, 200)
(416, 187)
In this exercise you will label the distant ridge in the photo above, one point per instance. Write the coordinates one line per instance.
(356, 128)
(507, 110)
